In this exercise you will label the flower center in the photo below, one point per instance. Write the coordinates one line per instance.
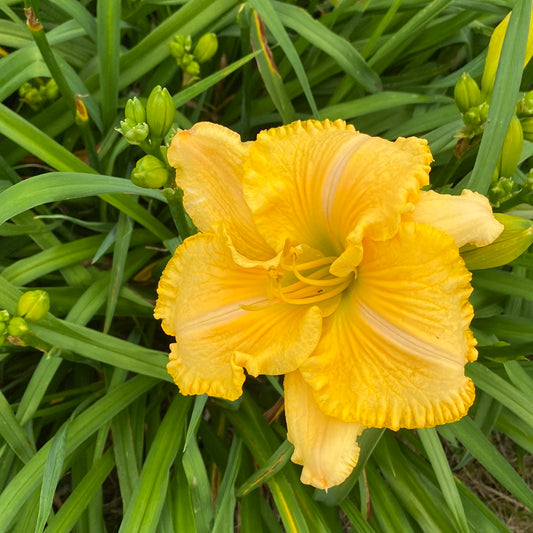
(314, 282)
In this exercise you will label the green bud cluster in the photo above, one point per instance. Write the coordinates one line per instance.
(31, 307)
(147, 126)
(189, 60)
(37, 93)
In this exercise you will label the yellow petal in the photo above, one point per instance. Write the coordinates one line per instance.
(393, 353)
(326, 447)
(223, 320)
(326, 185)
(467, 218)
(209, 168)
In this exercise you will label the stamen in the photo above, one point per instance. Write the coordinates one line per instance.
(321, 297)
(317, 286)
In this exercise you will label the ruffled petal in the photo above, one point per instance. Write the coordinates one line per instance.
(326, 447)
(393, 353)
(224, 321)
(290, 173)
(327, 185)
(467, 218)
(209, 168)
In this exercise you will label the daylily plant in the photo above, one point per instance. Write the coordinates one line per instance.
(321, 257)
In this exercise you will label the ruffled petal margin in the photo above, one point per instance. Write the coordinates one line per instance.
(224, 322)
(393, 353)
(467, 218)
(326, 447)
(209, 168)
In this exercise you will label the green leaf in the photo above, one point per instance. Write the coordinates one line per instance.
(82, 427)
(52, 474)
(108, 46)
(439, 462)
(12, 432)
(142, 513)
(479, 446)
(267, 12)
(69, 513)
(339, 49)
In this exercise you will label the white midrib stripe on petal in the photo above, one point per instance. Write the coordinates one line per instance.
(407, 342)
(331, 180)
(219, 316)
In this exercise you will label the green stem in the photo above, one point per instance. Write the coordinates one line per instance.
(47, 53)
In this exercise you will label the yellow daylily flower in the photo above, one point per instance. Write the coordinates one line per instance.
(321, 258)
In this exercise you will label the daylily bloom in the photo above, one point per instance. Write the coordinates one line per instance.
(321, 258)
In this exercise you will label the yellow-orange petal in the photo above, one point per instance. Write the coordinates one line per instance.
(327, 185)
(209, 168)
(393, 353)
(467, 218)
(325, 447)
(224, 322)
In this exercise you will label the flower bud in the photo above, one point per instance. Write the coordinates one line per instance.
(50, 90)
(514, 240)
(33, 305)
(134, 133)
(502, 189)
(179, 45)
(17, 327)
(160, 112)
(4, 315)
(135, 110)
(466, 93)
(527, 128)
(150, 172)
(206, 47)
(512, 148)
(473, 117)
(524, 107)
(193, 69)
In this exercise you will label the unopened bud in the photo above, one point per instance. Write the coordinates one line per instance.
(502, 189)
(17, 327)
(193, 69)
(206, 47)
(50, 90)
(33, 305)
(160, 112)
(135, 110)
(4, 315)
(524, 107)
(150, 172)
(527, 128)
(512, 148)
(514, 240)
(133, 132)
(179, 45)
(466, 93)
